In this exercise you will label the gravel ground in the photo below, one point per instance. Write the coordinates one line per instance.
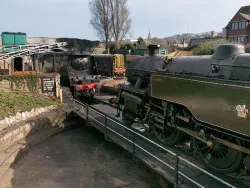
(79, 157)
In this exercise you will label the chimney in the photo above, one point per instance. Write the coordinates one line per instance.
(153, 50)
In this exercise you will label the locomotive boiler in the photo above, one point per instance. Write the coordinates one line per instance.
(201, 99)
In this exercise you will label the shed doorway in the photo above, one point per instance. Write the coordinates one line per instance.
(18, 64)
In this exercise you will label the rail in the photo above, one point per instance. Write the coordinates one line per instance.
(138, 145)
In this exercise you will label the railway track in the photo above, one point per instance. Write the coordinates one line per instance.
(167, 161)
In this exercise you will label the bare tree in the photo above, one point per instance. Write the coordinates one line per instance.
(120, 21)
(101, 20)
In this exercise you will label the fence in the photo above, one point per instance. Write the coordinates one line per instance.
(174, 167)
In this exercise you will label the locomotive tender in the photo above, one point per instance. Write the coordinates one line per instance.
(110, 65)
(201, 99)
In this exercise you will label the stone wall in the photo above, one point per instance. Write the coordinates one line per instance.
(24, 116)
(19, 132)
(20, 125)
(29, 83)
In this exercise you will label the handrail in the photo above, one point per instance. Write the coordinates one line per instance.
(177, 157)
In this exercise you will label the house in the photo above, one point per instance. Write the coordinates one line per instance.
(238, 29)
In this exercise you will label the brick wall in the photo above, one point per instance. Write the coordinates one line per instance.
(240, 32)
(5, 66)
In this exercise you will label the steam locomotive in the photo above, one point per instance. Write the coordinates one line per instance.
(83, 76)
(204, 100)
(85, 72)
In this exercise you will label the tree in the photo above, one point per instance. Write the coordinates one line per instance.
(120, 21)
(141, 43)
(112, 48)
(140, 40)
(207, 48)
(101, 20)
(127, 46)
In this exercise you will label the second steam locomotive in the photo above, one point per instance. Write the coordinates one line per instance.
(85, 72)
(204, 100)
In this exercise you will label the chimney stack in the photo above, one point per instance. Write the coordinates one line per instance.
(153, 50)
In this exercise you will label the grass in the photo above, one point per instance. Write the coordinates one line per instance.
(11, 103)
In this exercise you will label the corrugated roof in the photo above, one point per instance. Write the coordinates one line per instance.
(245, 16)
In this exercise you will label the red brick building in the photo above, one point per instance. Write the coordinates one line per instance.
(238, 29)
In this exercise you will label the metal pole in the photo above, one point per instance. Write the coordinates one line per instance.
(176, 171)
(61, 96)
(87, 115)
(118, 108)
(133, 144)
(106, 130)
(54, 63)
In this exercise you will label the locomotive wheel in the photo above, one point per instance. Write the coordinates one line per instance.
(220, 158)
(170, 136)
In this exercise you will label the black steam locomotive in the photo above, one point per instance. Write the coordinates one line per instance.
(204, 100)
(83, 75)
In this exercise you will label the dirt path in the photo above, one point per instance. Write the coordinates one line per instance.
(77, 158)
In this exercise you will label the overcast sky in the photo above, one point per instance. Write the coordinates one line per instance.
(70, 18)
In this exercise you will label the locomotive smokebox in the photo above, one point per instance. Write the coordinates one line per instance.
(153, 50)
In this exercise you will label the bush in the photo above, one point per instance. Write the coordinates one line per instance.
(247, 49)
(208, 48)
(12, 102)
(127, 46)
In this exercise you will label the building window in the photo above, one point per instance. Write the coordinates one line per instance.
(232, 39)
(235, 25)
(238, 25)
(246, 39)
(239, 39)
(243, 25)
(242, 39)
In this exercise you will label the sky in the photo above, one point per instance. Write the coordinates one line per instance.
(70, 18)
